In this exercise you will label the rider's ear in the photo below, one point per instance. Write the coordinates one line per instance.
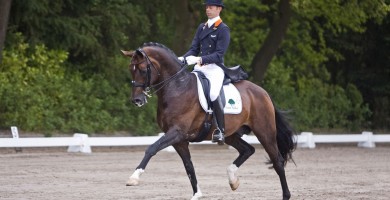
(128, 53)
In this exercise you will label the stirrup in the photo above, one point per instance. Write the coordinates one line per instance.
(218, 137)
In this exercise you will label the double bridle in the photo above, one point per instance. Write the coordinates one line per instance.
(146, 85)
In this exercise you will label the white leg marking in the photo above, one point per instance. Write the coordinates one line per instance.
(233, 179)
(198, 194)
(134, 178)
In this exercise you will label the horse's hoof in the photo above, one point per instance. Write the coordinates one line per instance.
(132, 182)
(197, 196)
(235, 185)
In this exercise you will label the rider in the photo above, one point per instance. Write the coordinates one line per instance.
(207, 50)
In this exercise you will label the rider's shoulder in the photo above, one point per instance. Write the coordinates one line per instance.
(223, 25)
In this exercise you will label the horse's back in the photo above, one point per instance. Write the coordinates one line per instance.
(253, 94)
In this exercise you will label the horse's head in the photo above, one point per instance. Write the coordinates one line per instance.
(144, 73)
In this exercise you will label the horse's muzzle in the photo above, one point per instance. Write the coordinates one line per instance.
(139, 100)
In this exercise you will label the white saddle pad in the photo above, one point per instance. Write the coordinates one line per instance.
(232, 97)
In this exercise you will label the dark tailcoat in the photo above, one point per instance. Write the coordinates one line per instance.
(210, 43)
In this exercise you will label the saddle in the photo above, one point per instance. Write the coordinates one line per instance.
(206, 88)
(235, 74)
(228, 91)
(229, 94)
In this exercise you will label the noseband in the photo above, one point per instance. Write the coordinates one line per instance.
(147, 85)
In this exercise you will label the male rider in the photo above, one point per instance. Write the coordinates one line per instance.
(207, 50)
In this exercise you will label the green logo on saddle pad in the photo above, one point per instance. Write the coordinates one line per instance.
(232, 104)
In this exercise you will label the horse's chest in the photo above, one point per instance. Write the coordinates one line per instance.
(170, 113)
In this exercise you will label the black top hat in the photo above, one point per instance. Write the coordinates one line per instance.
(214, 2)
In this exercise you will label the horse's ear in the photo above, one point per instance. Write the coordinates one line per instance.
(128, 53)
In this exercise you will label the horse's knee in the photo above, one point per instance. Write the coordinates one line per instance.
(151, 150)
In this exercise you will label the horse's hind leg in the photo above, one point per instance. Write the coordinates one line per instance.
(184, 153)
(278, 165)
(269, 143)
(245, 151)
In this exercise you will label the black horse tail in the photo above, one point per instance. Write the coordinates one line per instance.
(285, 136)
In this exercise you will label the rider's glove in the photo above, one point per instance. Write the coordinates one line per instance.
(181, 59)
(191, 60)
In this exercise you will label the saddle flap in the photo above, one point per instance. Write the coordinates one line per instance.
(233, 102)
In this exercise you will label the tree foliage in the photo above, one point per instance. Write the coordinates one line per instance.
(68, 75)
(38, 94)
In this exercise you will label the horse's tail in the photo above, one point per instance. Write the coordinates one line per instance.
(285, 136)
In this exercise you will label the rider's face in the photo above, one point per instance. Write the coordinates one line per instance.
(212, 11)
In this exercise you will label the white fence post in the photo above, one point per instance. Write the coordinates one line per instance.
(308, 140)
(15, 132)
(369, 143)
(15, 136)
(83, 147)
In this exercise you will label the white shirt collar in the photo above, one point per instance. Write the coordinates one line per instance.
(210, 22)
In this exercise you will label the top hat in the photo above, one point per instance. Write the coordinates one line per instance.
(214, 3)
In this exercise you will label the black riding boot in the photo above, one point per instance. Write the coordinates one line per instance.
(218, 135)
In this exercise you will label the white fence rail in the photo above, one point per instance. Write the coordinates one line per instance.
(83, 143)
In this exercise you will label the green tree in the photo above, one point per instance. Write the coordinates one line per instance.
(323, 60)
(91, 31)
(38, 94)
(5, 6)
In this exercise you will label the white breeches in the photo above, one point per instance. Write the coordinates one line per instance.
(215, 75)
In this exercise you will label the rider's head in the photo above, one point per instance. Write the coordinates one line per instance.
(218, 3)
(213, 8)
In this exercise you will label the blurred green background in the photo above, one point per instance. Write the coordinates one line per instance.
(327, 62)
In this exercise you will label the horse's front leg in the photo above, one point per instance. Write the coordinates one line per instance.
(165, 141)
(184, 153)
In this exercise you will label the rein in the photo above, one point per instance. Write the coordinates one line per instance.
(146, 85)
(166, 81)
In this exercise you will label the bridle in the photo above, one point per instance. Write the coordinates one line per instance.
(146, 85)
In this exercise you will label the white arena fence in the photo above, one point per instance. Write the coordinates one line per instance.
(82, 143)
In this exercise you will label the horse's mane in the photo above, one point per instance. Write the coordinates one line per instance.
(155, 44)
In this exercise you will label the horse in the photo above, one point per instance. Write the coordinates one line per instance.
(156, 69)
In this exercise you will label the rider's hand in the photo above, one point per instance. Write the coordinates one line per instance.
(193, 60)
(181, 59)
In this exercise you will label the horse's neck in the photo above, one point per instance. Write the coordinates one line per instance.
(183, 83)
(176, 98)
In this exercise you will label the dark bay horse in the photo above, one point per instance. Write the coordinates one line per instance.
(156, 68)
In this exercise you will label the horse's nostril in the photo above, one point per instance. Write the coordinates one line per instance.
(138, 102)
